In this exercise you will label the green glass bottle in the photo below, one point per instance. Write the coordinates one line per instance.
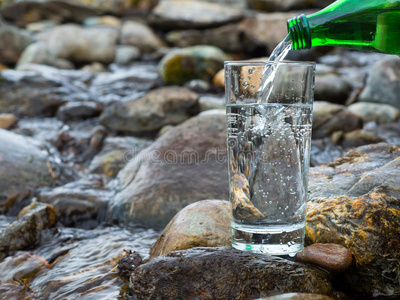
(372, 25)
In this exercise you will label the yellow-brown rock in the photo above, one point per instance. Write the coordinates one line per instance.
(202, 224)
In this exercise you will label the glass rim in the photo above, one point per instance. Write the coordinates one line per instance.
(266, 62)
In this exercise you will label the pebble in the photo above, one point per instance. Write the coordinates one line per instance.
(332, 257)
(7, 121)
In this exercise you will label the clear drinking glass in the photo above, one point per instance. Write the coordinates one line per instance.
(269, 140)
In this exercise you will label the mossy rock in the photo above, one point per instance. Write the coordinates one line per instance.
(199, 62)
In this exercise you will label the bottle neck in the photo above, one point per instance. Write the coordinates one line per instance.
(299, 31)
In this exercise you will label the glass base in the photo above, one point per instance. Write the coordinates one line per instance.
(269, 239)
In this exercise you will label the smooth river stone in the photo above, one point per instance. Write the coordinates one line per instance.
(332, 257)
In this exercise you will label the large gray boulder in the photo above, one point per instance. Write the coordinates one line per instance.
(185, 165)
(383, 84)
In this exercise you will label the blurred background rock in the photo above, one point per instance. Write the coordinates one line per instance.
(91, 89)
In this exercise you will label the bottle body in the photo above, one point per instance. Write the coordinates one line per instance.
(372, 25)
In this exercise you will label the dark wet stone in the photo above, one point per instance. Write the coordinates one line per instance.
(79, 110)
(141, 36)
(128, 263)
(383, 84)
(297, 296)
(184, 165)
(331, 88)
(164, 106)
(202, 224)
(277, 5)
(332, 257)
(38, 93)
(354, 202)
(13, 42)
(24, 233)
(225, 273)
(329, 118)
(191, 14)
(231, 38)
(125, 84)
(198, 62)
(26, 165)
(80, 203)
(29, 11)
(116, 153)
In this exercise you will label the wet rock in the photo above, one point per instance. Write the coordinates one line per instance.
(78, 110)
(103, 20)
(17, 291)
(173, 14)
(186, 164)
(126, 54)
(331, 88)
(199, 62)
(80, 203)
(125, 85)
(141, 36)
(231, 38)
(378, 112)
(383, 84)
(13, 42)
(389, 133)
(354, 202)
(95, 68)
(164, 106)
(128, 263)
(277, 5)
(41, 129)
(82, 45)
(266, 30)
(7, 121)
(329, 118)
(25, 232)
(198, 86)
(323, 152)
(116, 153)
(332, 257)
(202, 224)
(357, 138)
(25, 165)
(40, 53)
(21, 267)
(83, 261)
(27, 11)
(235, 275)
(211, 102)
(37, 93)
(297, 296)
(219, 79)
